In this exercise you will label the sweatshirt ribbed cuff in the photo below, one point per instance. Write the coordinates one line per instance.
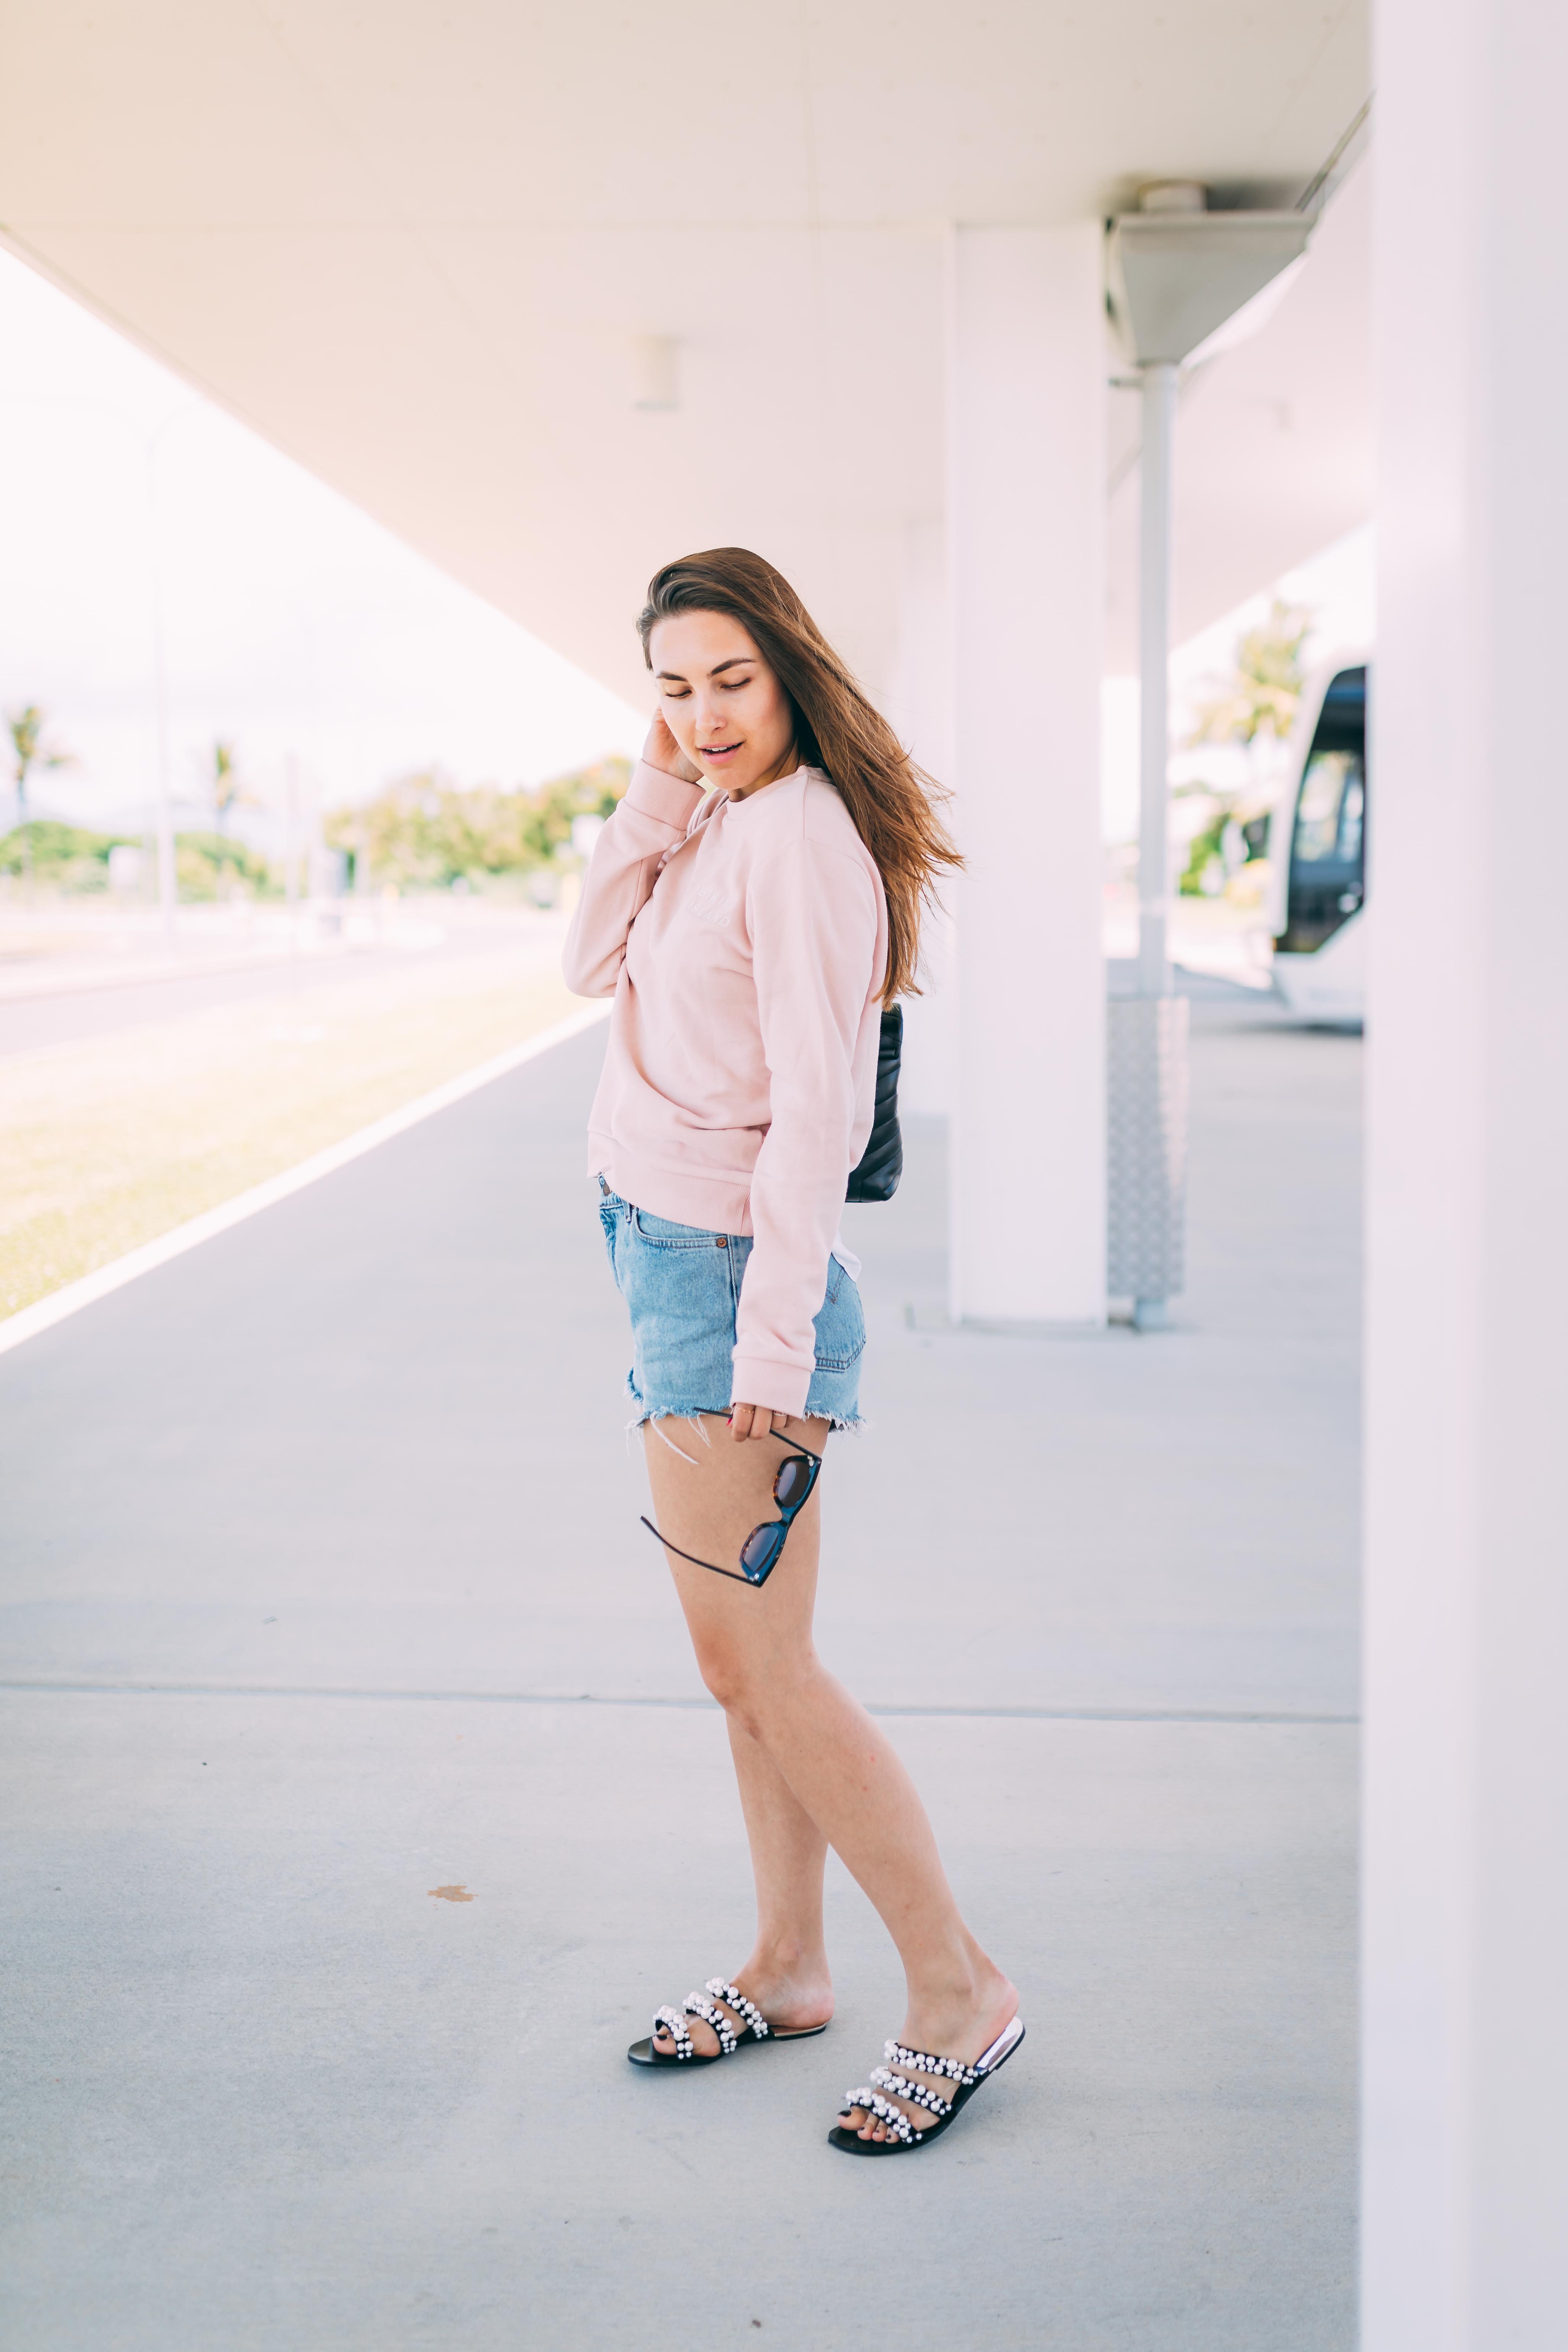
(663, 796)
(767, 1380)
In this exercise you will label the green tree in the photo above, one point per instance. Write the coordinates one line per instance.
(211, 866)
(29, 751)
(1261, 695)
(64, 856)
(425, 833)
(228, 788)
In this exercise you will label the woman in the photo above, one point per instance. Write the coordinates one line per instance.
(752, 905)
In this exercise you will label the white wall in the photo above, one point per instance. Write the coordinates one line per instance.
(1026, 485)
(1467, 1644)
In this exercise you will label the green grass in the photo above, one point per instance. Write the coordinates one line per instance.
(109, 1143)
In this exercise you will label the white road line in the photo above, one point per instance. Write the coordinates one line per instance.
(46, 1312)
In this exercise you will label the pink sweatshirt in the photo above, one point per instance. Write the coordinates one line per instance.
(744, 943)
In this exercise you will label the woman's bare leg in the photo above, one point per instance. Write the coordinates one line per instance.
(786, 1973)
(755, 1652)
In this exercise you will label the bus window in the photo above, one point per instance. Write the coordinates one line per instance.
(1328, 880)
(1352, 809)
(1329, 812)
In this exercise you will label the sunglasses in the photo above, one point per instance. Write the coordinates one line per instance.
(763, 1548)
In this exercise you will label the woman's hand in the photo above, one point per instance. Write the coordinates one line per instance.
(662, 750)
(755, 1421)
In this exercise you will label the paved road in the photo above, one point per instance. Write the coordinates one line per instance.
(323, 1587)
(71, 1008)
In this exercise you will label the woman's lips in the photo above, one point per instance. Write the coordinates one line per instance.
(716, 751)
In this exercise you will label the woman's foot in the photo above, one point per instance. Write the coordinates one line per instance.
(959, 2025)
(793, 2001)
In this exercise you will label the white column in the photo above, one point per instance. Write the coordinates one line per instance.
(1026, 478)
(919, 702)
(1466, 2246)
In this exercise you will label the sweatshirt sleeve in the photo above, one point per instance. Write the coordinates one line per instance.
(814, 922)
(653, 817)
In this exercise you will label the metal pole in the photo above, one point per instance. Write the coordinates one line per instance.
(1159, 398)
(168, 882)
(168, 876)
(151, 443)
(291, 856)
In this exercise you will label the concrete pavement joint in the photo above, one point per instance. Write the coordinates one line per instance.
(697, 1706)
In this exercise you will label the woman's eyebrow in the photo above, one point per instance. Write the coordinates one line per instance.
(734, 662)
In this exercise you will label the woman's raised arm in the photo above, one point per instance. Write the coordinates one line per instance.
(652, 818)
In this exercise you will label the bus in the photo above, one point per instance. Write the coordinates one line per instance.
(1317, 849)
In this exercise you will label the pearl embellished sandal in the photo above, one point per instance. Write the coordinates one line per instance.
(875, 2099)
(755, 2028)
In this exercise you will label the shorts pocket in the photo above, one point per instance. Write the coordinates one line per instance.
(840, 1325)
(659, 1233)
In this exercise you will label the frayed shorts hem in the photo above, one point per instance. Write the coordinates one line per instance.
(644, 1412)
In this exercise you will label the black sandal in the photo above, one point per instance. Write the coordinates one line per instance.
(754, 2029)
(873, 2095)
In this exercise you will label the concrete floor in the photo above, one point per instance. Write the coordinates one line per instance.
(323, 1587)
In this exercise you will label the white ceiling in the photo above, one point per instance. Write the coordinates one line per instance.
(1274, 442)
(416, 246)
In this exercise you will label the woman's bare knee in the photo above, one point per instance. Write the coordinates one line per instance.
(731, 1678)
(750, 1689)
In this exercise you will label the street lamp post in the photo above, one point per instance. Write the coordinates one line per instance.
(168, 875)
(150, 443)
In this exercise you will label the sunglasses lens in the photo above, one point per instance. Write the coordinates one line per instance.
(793, 1483)
(760, 1550)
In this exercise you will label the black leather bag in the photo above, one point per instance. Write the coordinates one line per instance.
(882, 1161)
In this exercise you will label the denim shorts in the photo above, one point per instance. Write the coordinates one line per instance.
(681, 1286)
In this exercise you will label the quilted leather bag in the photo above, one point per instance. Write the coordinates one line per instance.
(882, 1161)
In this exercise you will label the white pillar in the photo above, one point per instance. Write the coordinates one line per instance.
(919, 702)
(1466, 2246)
(1026, 478)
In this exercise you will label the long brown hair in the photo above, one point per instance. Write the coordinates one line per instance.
(894, 804)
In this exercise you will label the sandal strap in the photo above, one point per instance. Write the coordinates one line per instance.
(921, 2061)
(897, 2122)
(695, 2005)
(917, 2094)
(673, 2021)
(747, 2011)
(670, 2022)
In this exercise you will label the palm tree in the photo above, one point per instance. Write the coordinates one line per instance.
(28, 752)
(1261, 695)
(227, 786)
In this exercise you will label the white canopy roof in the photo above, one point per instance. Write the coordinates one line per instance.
(423, 251)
